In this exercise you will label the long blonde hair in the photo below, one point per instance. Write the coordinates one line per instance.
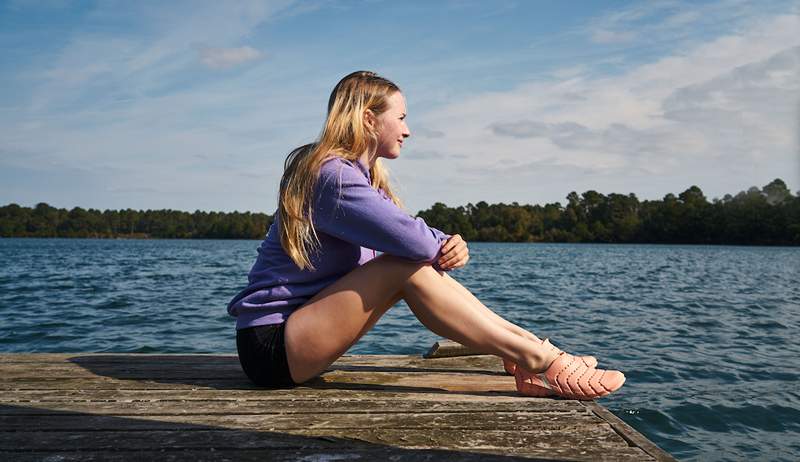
(346, 135)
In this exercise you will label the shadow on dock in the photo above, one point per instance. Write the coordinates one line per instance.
(30, 433)
(225, 373)
(365, 407)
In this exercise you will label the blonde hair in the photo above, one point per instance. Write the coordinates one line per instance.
(346, 135)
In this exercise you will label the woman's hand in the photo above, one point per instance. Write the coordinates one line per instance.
(455, 253)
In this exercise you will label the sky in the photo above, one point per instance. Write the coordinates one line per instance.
(195, 105)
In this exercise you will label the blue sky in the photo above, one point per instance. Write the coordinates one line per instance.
(194, 105)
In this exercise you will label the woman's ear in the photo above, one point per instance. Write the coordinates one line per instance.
(369, 119)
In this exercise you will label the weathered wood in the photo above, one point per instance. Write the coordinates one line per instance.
(627, 433)
(258, 395)
(464, 420)
(152, 438)
(445, 348)
(338, 453)
(201, 407)
(402, 405)
(148, 361)
(133, 367)
(364, 379)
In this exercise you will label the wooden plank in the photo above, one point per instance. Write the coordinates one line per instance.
(432, 382)
(131, 366)
(476, 420)
(105, 403)
(61, 357)
(55, 395)
(464, 439)
(630, 435)
(219, 373)
(110, 360)
(341, 452)
(445, 348)
(283, 406)
(300, 393)
(103, 383)
(154, 360)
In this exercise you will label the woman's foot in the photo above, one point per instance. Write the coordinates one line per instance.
(535, 390)
(570, 377)
(511, 366)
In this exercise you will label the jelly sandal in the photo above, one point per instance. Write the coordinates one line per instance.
(511, 366)
(568, 376)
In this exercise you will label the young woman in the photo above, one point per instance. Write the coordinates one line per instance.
(317, 285)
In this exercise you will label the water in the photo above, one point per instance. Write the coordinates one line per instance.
(705, 335)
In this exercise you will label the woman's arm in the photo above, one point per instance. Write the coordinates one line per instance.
(346, 206)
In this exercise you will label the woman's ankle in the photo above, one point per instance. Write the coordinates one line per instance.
(539, 361)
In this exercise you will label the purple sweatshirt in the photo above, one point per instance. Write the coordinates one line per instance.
(352, 220)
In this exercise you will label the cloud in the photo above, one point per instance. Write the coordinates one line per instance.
(521, 129)
(425, 132)
(609, 36)
(663, 24)
(703, 88)
(224, 58)
(415, 154)
(131, 100)
(727, 105)
(98, 65)
(569, 72)
(769, 83)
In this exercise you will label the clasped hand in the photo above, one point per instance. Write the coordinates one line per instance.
(455, 253)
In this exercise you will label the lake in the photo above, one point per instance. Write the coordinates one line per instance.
(706, 335)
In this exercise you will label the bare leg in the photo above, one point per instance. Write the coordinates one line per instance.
(494, 317)
(325, 327)
(445, 311)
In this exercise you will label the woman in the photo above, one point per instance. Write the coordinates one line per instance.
(317, 285)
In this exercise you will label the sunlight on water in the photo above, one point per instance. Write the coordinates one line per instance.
(705, 335)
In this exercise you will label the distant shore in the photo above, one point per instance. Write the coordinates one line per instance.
(759, 216)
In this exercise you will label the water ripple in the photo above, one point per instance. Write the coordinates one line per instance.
(705, 335)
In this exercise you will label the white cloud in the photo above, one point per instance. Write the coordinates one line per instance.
(521, 129)
(717, 112)
(224, 58)
(426, 132)
(126, 107)
(609, 36)
(114, 64)
(722, 114)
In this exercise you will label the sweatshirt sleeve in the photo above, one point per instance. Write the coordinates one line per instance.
(347, 207)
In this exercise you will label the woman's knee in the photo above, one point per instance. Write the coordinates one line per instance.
(424, 275)
(405, 272)
(399, 264)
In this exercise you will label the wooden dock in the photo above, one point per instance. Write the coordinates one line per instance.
(65, 407)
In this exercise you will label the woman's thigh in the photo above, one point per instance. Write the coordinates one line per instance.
(324, 328)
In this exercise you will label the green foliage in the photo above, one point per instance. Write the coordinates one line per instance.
(767, 216)
(46, 221)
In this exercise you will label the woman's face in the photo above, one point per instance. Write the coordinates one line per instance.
(392, 128)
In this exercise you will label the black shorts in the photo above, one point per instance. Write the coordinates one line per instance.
(262, 354)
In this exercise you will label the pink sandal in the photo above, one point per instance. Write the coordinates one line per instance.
(511, 368)
(569, 376)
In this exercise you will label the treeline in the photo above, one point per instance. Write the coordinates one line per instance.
(46, 221)
(766, 216)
